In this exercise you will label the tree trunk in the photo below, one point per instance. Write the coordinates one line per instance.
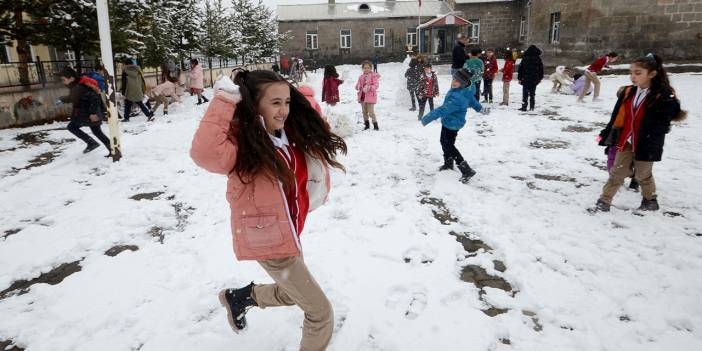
(22, 53)
(79, 63)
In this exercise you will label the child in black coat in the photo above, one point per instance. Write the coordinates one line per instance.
(529, 75)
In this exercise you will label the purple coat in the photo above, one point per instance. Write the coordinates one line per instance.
(370, 81)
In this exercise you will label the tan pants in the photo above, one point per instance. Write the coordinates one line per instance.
(294, 285)
(368, 111)
(505, 92)
(590, 78)
(160, 99)
(622, 169)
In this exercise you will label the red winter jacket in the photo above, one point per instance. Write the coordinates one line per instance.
(330, 89)
(490, 68)
(596, 67)
(507, 71)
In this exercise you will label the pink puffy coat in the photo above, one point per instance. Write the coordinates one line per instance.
(196, 77)
(370, 81)
(260, 219)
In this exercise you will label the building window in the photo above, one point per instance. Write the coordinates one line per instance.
(523, 29)
(4, 50)
(345, 38)
(312, 41)
(411, 36)
(554, 36)
(379, 38)
(69, 55)
(474, 30)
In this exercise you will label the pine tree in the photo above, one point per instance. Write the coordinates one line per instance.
(72, 25)
(216, 37)
(14, 26)
(258, 29)
(184, 18)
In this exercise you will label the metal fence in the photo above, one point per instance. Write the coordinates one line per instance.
(13, 74)
(43, 72)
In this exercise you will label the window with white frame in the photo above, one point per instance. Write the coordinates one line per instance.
(4, 50)
(554, 35)
(412, 36)
(69, 55)
(312, 40)
(345, 38)
(475, 30)
(522, 28)
(379, 38)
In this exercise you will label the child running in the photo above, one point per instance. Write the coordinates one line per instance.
(275, 149)
(453, 118)
(637, 128)
(367, 90)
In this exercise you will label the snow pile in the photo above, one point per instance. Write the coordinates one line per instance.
(410, 258)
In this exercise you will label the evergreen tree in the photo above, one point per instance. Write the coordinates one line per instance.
(216, 39)
(258, 29)
(22, 20)
(72, 25)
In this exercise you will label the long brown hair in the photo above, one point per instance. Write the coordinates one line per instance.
(256, 154)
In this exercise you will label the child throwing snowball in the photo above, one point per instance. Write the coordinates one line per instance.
(275, 149)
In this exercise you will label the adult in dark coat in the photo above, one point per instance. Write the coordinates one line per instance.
(458, 57)
(529, 75)
(412, 74)
(87, 108)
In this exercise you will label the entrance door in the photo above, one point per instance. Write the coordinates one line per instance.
(440, 41)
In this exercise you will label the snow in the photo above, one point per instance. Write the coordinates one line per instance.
(392, 271)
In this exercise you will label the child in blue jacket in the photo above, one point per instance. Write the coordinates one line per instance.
(453, 118)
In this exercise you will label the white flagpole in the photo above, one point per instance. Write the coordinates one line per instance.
(106, 53)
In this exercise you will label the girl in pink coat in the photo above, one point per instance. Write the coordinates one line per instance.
(196, 81)
(275, 148)
(367, 88)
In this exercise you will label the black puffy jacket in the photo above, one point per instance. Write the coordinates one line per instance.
(531, 69)
(86, 102)
(662, 107)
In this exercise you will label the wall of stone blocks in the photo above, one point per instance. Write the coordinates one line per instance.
(499, 22)
(591, 28)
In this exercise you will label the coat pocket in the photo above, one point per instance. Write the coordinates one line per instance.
(262, 231)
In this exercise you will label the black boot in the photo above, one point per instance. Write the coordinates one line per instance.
(91, 146)
(600, 206)
(466, 172)
(205, 99)
(375, 126)
(199, 102)
(649, 205)
(448, 164)
(634, 185)
(524, 108)
(367, 125)
(237, 302)
(413, 108)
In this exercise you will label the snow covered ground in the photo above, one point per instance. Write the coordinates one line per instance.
(96, 255)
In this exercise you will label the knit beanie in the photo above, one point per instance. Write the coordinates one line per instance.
(463, 76)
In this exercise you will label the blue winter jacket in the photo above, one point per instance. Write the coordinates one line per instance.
(453, 111)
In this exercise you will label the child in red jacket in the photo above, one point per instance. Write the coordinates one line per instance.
(507, 71)
(330, 86)
(592, 71)
(489, 74)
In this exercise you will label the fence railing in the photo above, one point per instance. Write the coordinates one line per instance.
(15, 74)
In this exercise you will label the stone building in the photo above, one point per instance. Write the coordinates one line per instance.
(584, 29)
(352, 32)
(566, 30)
